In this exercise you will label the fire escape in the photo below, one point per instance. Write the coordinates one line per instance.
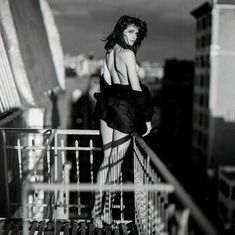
(151, 201)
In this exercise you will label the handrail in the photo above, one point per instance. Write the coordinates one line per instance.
(199, 217)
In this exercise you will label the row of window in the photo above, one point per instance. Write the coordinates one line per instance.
(202, 100)
(201, 119)
(203, 41)
(204, 22)
(200, 138)
(202, 61)
(202, 80)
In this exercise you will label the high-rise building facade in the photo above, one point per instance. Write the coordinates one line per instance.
(214, 85)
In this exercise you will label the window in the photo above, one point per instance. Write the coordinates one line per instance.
(207, 81)
(203, 41)
(204, 22)
(198, 61)
(198, 41)
(206, 101)
(201, 100)
(198, 24)
(208, 40)
(209, 20)
(201, 81)
(202, 62)
(207, 61)
(205, 121)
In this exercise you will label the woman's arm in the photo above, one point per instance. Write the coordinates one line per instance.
(130, 62)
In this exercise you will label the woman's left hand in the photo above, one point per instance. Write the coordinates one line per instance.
(149, 128)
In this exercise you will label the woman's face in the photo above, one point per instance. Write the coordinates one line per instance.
(130, 34)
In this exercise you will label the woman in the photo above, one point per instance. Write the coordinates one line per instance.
(123, 107)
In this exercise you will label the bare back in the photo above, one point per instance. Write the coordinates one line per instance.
(114, 68)
(120, 67)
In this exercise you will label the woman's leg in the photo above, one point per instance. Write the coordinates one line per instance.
(121, 142)
(107, 139)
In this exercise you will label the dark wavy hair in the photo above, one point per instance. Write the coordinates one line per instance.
(117, 35)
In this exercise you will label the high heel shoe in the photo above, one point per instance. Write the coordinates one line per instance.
(107, 219)
(97, 222)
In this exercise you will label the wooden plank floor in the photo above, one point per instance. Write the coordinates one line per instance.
(14, 226)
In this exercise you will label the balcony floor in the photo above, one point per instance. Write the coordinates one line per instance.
(14, 226)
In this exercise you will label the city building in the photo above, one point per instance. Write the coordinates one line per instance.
(32, 83)
(176, 112)
(226, 195)
(214, 86)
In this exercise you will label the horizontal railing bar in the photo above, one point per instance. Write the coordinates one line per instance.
(58, 131)
(78, 132)
(27, 130)
(58, 205)
(199, 217)
(38, 147)
(84, 187)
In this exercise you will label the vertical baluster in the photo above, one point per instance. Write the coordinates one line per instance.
(155, 204)
(162, 201)
(135, 180)
(152, 199)
(55, 204)
(56, 158)
(55, 172)
(19, 159)
(145, 193)
(165, 212)
(148, 199)
(121, 199)
(78, 174)
(156, 216)
(48, 162)
(35, 176)
(154, 212)
(63, 173)
(91, 161)
(20, 164)
(151, 196)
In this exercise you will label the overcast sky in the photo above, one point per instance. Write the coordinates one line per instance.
(83, 23)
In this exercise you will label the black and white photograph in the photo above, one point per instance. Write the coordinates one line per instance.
(117, 117)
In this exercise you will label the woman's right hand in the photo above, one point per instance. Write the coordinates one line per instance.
(149, 128)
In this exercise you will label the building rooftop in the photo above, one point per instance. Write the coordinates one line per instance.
(202, 9)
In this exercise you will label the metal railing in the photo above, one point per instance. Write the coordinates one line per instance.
(160, 204)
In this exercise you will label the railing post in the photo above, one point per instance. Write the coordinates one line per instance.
(91, 161)
(78, 174)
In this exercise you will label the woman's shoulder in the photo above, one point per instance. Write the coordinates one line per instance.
(127, 54)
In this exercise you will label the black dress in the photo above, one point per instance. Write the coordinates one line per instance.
(122, 108)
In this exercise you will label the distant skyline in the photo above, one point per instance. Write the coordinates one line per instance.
(83, 23)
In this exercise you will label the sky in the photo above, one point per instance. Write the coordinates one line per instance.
(171, 28)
